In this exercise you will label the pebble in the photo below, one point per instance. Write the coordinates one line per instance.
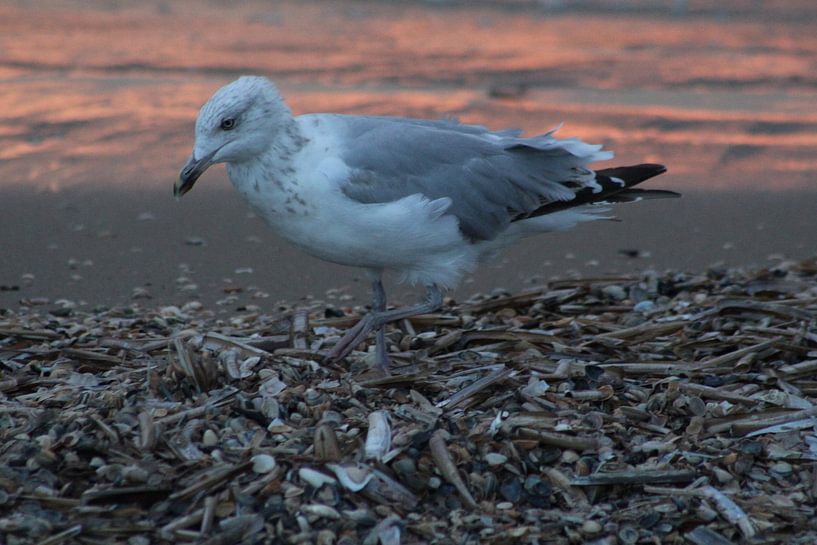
(614, 292)
(511, 490)
(722, 475)
(26, 523)
(326, 537)
(781, 468)
(209, 439)
(570, 456)
(495, 459)
(43, 490)
(135, 474)
(140, 293)
(504, 505)
(591, 527)
(404, 466)
(263, 463)
(644, 306)
(753, 448)
(96, 462)
(192, 306)
(628, 535)
(171, 311)
(531, 481)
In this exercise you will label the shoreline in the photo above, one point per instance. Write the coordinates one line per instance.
(102, 246)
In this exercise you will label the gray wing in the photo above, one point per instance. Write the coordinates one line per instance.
(490, 177)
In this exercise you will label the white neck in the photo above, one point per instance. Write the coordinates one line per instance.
(267, 181)
(275, 162)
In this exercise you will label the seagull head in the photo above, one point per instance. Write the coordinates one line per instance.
(238, 123)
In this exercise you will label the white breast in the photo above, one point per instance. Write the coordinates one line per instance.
(303, 202)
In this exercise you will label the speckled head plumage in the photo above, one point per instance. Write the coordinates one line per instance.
(239, 122)
(245, 99)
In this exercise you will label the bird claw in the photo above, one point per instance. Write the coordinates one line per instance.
(375, 321)
(350, 340)
(357, 335)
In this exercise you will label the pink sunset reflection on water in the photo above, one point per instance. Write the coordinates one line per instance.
(725, 101)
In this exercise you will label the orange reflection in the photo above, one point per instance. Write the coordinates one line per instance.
(111, 98)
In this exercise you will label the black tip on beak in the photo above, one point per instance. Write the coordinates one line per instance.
(182, 185)
(191, 172)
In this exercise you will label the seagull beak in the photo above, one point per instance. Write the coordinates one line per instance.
(190, 173)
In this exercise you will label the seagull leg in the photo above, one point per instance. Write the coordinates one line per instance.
(376, 319)
(381, 349)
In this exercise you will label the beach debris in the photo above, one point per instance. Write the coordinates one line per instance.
(378, 438)
(572, 413)
(442, 458)
(263, 463)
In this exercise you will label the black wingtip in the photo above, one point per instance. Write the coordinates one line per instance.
(633, 174)
(614, 185)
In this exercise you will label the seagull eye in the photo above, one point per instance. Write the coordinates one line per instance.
(227, 123)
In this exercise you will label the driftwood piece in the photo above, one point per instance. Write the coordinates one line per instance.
(636, 476)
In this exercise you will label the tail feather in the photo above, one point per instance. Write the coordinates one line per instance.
(613, 185)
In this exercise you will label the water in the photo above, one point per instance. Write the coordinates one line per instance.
(100, 100)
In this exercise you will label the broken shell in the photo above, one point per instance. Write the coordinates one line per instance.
(378, 438)
(326, 444)
(360, 516)
(442, 458)
(147, 431)
(383, 489)
(374, 484)
(314, 397)
(271, 387)
(686, 416)
(318, 510)
(315, 478)
(352, 477)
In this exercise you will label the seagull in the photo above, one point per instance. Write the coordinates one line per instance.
(428, 199)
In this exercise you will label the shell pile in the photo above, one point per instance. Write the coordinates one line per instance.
(660, 408)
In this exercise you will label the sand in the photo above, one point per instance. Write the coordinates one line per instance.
(106, 245)
(99, 117)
